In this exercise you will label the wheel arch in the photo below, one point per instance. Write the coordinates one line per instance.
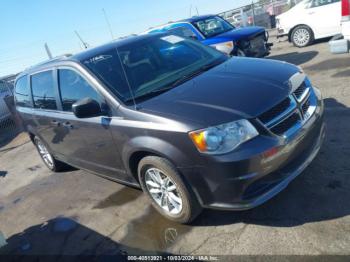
(141, 147)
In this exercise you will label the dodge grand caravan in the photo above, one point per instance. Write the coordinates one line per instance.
(190, 126)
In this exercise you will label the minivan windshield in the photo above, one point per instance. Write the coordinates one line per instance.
(213, 26)
(148, 66)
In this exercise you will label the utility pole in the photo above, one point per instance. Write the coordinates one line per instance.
(197, 11)
(48, 52)
(190, 10)
(108, 24)
(253, 12)
(84, 43)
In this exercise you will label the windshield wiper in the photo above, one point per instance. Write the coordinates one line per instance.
(151, 94)
(187, 77)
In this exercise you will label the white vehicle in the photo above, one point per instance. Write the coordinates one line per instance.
(310, 20)
(345, 22)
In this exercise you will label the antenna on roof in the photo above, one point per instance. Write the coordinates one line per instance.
(108, 23)
(48, 52)
(84, 43)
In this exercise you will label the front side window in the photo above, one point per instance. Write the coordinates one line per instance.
(22, 92)
(183, 31)
(43, 88)
(150, 65)
(213, 26)
(73, 88)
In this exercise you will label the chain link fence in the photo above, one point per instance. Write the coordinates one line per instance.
(9, 124)
(262, 13)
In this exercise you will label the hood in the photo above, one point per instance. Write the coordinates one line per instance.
(238, 88)
(235, 35)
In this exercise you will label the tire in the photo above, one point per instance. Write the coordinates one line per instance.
(150, 169)
(240, 53)
(48, 159)
(302, 36)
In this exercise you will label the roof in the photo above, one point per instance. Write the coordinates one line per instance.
(87, 53)
(196, 18)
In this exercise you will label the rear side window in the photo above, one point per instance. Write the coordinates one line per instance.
(43, 89)
(22, 93)
(73, 87)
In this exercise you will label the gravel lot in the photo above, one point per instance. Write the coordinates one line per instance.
(79, 213)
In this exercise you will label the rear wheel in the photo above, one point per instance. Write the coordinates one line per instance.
(302, 36)
(161, 181)
(48, 159)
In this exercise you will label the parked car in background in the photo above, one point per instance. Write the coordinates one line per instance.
(216, 32)
(345, 22)
(5, 91)
(310, 20)
(191, 127)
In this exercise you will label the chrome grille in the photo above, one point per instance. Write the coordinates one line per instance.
(286, 124)
(293, 110)
(275, 111)
(301, 92)
(305, 106)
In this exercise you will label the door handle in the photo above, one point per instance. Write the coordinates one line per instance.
(55, 123)
(68, 124)
(311, 13)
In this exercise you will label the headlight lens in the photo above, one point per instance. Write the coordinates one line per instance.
(225, 47)
(223, 138)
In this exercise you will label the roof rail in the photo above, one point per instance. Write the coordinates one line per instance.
(56, 58)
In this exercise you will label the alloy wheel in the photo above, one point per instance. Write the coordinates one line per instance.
(163, 191)
(301, 37)
(44, 153)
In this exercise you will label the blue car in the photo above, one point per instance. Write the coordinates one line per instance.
(212, 30)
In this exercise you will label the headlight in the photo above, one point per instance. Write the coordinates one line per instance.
(226, 47)
(223, 138)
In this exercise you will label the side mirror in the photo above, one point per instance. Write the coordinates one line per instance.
(86, 108)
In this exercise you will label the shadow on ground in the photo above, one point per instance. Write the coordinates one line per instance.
(65, 236)
(296, 58)
(330, 64)
(321, 192)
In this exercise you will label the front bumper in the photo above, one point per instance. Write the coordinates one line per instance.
(250, 178)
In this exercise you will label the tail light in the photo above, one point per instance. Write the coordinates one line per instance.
(345, 9)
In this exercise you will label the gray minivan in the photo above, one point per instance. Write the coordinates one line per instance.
(190, 126)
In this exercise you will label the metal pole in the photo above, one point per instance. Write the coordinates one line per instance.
(108, 24)
(253, 13)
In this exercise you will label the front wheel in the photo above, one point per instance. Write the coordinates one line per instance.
(161, 181)
(302, 36)
(241, 53)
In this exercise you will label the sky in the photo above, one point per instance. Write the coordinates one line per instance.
(25, 26)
